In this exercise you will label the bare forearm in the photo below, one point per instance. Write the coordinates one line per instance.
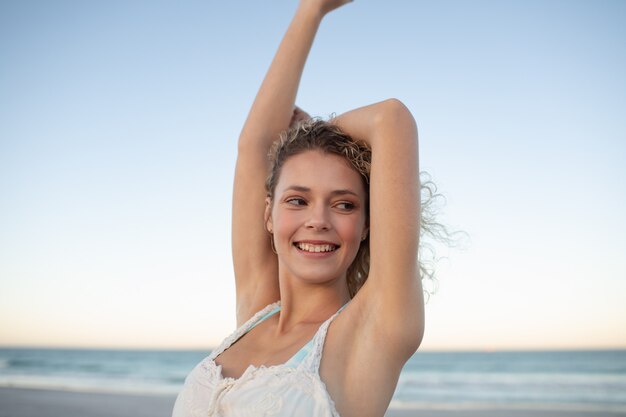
(273, 106)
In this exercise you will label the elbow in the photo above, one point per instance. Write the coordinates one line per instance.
(396, 108)
(394, 104)
(394, 112)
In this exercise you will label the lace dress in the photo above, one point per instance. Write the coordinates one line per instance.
(290, 389)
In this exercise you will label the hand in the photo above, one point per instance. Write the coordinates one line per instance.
(323, 6)
(298, 116)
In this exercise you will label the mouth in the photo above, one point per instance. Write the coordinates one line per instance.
(316, 247)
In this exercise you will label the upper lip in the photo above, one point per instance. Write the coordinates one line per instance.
(317, 242)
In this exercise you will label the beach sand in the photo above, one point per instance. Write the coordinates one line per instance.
(16, 402)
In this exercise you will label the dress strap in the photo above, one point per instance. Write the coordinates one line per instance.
(314, 356)
(245, 328)
(265, 317)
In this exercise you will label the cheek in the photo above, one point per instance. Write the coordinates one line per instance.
(353, 228)
(285, 222)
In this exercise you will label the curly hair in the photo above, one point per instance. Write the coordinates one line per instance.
(317, 134)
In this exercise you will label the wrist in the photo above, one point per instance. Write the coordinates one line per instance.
(310, 12)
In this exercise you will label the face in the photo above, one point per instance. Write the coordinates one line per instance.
(317, 217)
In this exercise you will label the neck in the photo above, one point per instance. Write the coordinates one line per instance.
(308, 303)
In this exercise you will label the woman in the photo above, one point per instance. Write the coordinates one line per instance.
(329, 301)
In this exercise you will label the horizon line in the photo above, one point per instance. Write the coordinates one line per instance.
(208, 349)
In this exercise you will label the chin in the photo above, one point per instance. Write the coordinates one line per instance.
(317, 275)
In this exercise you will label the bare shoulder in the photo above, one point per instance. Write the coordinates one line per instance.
(363, 345)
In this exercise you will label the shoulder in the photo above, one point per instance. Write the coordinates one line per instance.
(370, 326)
(361, 347)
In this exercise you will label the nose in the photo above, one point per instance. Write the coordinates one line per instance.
(318, 220)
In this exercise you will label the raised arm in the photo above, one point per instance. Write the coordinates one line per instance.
(392, 297)
(255, 264)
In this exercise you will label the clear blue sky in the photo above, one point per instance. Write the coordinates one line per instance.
(118, 124)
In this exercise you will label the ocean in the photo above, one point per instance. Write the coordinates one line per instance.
(575, 380)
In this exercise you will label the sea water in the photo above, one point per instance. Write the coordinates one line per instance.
(581, 380)
(577, 380)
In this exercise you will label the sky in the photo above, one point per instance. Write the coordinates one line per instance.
(118, 125)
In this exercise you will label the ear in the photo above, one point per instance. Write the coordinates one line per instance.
(269, 226)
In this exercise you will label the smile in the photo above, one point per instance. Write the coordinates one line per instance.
(311, 248)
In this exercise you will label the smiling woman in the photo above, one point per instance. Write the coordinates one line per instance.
(317, 227)
(341, 165)
(330, 224)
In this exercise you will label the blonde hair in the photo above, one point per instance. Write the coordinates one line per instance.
(317, 134)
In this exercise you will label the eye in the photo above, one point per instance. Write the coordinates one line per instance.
(296, 201)
(345, 205)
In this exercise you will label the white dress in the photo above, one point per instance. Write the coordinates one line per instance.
(290, 389)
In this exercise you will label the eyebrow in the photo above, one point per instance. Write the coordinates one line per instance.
(303, 189)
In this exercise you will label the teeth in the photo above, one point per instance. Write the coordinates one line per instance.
(316, 248)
